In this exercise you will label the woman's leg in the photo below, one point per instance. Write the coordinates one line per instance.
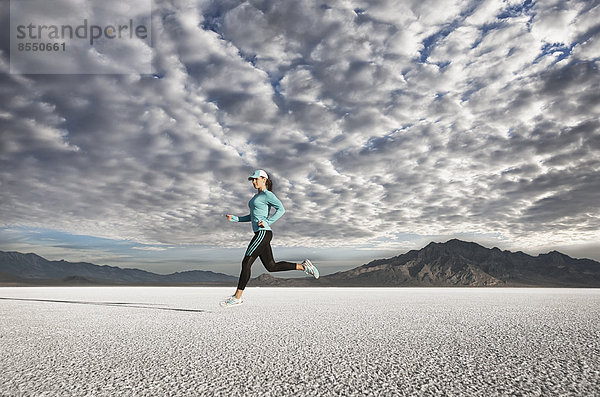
(266, 257)
(249, 258)
(260, 245)
(244, 274)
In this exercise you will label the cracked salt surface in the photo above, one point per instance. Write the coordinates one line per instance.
(176, 341)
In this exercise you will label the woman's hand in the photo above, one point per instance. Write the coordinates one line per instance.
(228, 217)
(261, 224)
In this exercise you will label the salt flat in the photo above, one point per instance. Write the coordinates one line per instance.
(158, 341)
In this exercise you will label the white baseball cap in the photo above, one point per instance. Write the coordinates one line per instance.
(258, 173)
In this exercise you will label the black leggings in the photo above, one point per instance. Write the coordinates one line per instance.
(260, 246)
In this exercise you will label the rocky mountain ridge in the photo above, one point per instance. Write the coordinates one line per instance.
(458, 263)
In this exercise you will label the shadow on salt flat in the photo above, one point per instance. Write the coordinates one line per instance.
(153, 306)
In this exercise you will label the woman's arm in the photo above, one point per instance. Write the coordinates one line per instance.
(274, 202)
(233, 218)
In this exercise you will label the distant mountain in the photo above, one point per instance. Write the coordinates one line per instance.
(33, 269)
(454, 263)
(459, 263)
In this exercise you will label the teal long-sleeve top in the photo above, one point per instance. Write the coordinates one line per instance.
(260, 206)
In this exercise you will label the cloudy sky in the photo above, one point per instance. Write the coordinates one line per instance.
(384, 124)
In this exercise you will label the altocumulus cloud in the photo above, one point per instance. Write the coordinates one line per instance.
(377, 119)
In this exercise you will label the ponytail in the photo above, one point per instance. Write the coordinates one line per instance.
(269, 184)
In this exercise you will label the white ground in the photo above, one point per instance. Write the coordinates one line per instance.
(110, 341)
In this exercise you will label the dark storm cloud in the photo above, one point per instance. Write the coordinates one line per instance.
(376, 119)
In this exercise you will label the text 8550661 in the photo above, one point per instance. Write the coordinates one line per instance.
(42, 47)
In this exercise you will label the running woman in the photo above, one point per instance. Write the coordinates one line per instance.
(260, 245)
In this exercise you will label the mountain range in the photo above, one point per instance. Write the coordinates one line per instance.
(454, 263)
(18, 268)
(457, 263)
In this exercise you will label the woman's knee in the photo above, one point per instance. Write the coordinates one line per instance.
(247, 262)
(270, 266)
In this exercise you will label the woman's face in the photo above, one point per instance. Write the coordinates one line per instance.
(259, 183)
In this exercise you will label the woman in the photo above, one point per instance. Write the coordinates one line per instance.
(260, 245)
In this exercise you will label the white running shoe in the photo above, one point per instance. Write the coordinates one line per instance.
(310, 269)
(231, 301)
